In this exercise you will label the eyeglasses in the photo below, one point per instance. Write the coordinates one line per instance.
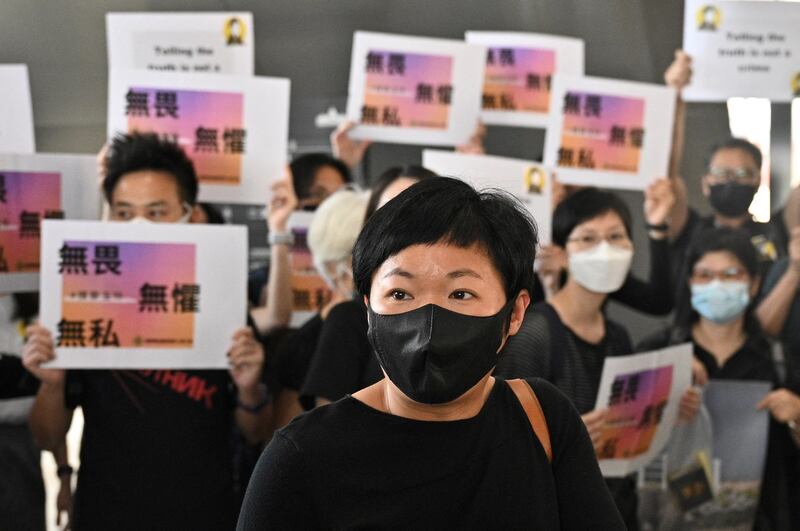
(706, 276)
(587, 241)
(740, 175)
(156, 213)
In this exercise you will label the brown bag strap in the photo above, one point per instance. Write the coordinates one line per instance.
(533, 409)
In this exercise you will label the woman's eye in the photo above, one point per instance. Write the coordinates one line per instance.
(462, 295)
(398, 295)
(155, 214)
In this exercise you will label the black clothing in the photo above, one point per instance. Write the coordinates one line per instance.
(349, 466)
(343, 362)
(294, 356)
(156, 449)
(655, 295)
(544, 347)
(780, 489)
(790, 335)
(15, 381)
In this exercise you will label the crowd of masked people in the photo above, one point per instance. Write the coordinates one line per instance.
(356, 420)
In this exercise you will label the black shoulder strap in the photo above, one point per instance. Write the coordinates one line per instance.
(558, 339)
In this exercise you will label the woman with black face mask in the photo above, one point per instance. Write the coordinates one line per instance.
(438, 443)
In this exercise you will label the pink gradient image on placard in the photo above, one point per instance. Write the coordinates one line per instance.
(310, 292)
(25, 199)
(601, 132)
(518, 79)
(208, 125)
(131, 295)
(407, 90)
(635, 407)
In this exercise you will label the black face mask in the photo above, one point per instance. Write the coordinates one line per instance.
(435, 355)
(731, 199)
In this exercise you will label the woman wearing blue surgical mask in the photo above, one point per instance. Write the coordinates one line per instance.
(715, 313)
(566, 339)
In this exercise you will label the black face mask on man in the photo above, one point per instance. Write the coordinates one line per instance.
(434, 355)
(731, 199)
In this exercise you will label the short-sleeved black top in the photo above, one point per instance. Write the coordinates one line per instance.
(349, 466)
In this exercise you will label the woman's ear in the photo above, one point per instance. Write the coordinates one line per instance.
(521, 304)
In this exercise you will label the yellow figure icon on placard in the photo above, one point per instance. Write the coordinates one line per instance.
(535, 180)
(234, 31)
(708, 18)
(796, 85)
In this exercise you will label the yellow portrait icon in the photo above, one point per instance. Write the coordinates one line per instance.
(796, 85)
(234, 31)
(708, 18)
(535, 180)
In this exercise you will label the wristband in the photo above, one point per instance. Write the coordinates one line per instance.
(661, 227)
(280, 238)
(64, 470)
(255, 409)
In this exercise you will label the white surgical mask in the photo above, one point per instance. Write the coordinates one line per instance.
(601, 269)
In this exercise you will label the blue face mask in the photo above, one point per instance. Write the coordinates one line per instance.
(721, 301)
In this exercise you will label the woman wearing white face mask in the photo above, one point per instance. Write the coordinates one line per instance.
(567, 339)
(715, 313)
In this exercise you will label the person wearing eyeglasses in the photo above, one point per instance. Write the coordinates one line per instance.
(731, 181)
(715, 312)
(566, 340)
(156, 449)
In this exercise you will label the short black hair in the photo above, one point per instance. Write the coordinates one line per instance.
(213, 214)
(146, 151)
(710, 240)
(304, 169)
(736, 143)
(584, 205)
(385, 179)
(447, 210)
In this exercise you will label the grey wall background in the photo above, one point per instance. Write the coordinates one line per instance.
(309, 42)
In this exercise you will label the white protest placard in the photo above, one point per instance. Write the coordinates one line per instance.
(16, 112)
(641, 394)
(518, 74)
(140, 296)
(742, 48)
(530, 182)
(414, 90)
(609, 133)
(233, 128)
(33, 188)
(212, 43)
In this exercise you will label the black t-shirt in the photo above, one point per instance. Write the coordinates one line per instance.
(751, 362)
(544, 347)
(790, 335)
(295, 354)
(156, 449)
(15, 381)
(767, 241)
(349, 466)
(343, 362)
